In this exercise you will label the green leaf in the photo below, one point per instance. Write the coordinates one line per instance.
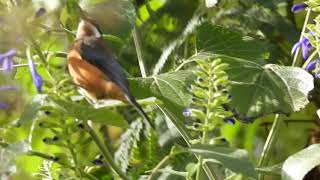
(168, 87)
(270, 88)
(70, 14)
(234, 159)
(89, 113)
(299, 164)
(31, 109)
(223, 41)
(112, 38)
(259, 89)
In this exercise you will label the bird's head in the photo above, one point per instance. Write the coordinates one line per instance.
(87, 28)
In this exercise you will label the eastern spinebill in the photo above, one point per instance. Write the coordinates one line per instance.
(95, 70)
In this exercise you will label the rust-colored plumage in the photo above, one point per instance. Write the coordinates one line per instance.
(95, 83)
(94, 69)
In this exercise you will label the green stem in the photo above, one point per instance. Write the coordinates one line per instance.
(310, 58)
(160, 164)
(271, 140)
(204, 133)
(294, 62)
(106, 152)
(33, 126)
(187, 139)
(317, 39)
(200, 159)
(20, 65)
(38, 51)
(88, 175)
(39, 154)
(137, 43)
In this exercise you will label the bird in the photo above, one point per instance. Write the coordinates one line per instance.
(94, 68)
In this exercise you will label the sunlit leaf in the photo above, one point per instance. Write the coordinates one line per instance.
(170, 87)
(89, 113)
(271, 88)
(223, 41)
(299, 164)
(234, 159)
(259, 89)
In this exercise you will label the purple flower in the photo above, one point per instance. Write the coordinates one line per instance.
(37, 79)
(298, 7)
(8, 88)
(229, 120)
(186, 112)
(97, 162)
(6, 60)
(305, 46)
(313, 65)
(3, 105)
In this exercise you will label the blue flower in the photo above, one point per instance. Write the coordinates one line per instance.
(37, 79)
(229, 120)
(305, 46)
(298, 7)
(186, 112)
(6, 60)
(313, 65)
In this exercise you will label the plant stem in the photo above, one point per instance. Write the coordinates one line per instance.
(88, 175)
(39, 154)
(179, 127)
(187, 139)
(20, 65)
(310, 58)
(38, 51)
(105, 152)
(271, 140)
(160, 164)
(33, 126)
(137, 43)
(205, 132)
(294, 62)
(277, 120)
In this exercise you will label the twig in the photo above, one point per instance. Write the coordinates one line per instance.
(105, 152)
(160, 164)
(187, 139)
(137, 43)
(270, 141)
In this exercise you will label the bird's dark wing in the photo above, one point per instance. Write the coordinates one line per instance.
(93, 51)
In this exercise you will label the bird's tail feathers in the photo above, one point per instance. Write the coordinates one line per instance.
(137, 106)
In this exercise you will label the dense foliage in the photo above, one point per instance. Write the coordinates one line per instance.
(227, 98)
